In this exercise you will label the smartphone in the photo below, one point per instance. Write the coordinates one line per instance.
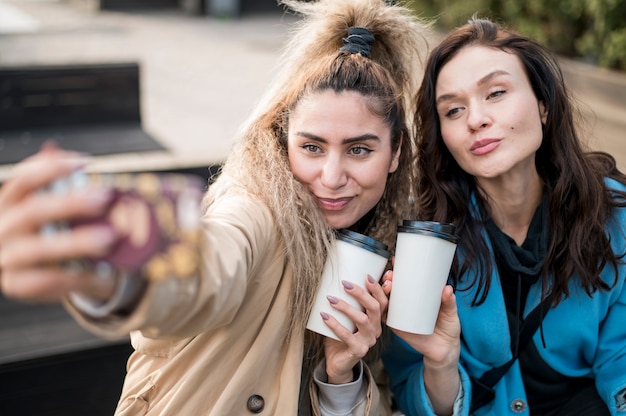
(156, 217)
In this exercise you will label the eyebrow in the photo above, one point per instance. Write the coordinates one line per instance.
(482, 81)
(361, 138)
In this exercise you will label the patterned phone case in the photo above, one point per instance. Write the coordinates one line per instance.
(156, 218)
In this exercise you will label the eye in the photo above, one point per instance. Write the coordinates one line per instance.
(312, 148)
(360, 151)
(452, 112)
(496, 94)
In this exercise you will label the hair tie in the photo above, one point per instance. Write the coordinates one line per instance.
(359, 40)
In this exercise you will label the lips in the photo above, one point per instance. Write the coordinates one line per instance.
(484, 146)
(333, 204)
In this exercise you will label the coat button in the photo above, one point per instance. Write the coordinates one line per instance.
(256, 403)
(518, 406)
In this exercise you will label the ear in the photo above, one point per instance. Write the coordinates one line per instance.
(396, 158)
(543, 112)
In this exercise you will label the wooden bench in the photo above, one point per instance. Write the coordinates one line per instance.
(91, 108)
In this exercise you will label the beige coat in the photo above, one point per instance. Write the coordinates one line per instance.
(217, 345)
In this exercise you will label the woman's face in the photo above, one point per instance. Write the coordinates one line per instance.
(490, 119)
(342, 152)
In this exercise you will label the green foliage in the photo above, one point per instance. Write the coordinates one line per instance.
(592, 30)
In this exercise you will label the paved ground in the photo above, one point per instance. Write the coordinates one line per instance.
(202, 75)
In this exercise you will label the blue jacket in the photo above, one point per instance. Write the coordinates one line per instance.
(584, 336)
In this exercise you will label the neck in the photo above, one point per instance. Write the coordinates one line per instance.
(513, 203)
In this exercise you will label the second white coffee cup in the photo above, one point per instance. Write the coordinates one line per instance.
(352, 257)
(424, 254)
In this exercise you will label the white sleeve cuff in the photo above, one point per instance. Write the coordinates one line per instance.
(126, 290)
(339, 399)
(458, 402)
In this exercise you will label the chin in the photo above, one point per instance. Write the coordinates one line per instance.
(339, 223)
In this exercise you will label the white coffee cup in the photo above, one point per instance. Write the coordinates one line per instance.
(424, 254)
(352, 257)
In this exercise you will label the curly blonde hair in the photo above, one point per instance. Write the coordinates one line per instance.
(312, 62)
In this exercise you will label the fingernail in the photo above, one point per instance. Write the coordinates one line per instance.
(324, 316)
(333, 300)
(386, 283)
(371, 279)
(49, 146)
(105, 235)
(347, 284)
(78, 162)
(99, 197)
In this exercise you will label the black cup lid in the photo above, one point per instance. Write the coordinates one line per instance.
(446, 231)
(363, 241)
(440, 227)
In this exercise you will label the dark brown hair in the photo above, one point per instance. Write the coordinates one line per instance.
(579, 201)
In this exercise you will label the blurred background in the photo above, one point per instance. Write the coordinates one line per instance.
(592, 31)
(163, 86)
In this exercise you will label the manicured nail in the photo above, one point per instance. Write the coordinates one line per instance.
(78, 162)
(347, 284)
(371, 279)
(104, 235)
(99, 197)
(324, 316)
(49, 146)
(333, 300)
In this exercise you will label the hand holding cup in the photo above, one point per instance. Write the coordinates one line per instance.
(352, 258)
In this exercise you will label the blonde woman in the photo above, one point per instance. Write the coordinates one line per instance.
(328, 148)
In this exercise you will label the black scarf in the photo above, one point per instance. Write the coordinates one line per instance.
(520, 266)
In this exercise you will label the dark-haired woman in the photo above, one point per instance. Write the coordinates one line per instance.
(536, 323)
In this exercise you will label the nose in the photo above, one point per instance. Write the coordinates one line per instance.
(477, 118)
(334, 173)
